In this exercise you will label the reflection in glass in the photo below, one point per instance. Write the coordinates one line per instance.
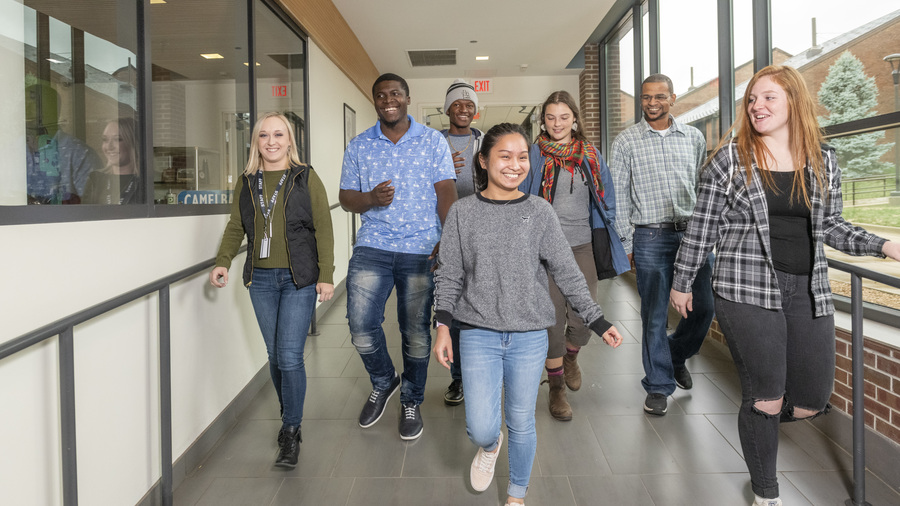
(119, 182)
(79, 71)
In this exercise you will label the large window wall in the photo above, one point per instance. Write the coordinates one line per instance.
(137, 108)
(711, 48)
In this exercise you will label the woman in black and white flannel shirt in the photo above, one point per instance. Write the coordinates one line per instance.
(773, 300)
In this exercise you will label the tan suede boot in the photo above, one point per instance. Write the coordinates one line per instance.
(571, 371)
(559, 404)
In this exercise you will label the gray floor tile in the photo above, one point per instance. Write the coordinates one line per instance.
(619, 311)
(325, 397)
(825, 451)
(323, 444)
(570, 449)
(313, 492)
(330, 336)
(424, 491)
(696, 444)
(240, 491)
(551, 490)
(728, 383)
(791, 456)
(597, 358)
(833, 488)
(632, 446)
(443, 450)
(374, 452)
(704, 397)
(624, 490)
(248, 451)
(327, 362)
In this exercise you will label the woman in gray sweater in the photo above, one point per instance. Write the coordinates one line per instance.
(496, 249)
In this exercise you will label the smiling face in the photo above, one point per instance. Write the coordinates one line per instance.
(656, 100)
(391, 102)
(274, 143)
(768, 108)
(558, 120)
(115, 148)
(507, 165)
(461, 113)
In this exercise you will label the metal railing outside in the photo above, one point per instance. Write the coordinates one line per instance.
(867, 187)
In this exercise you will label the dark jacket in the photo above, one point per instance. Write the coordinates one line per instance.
(298, 218)
(603, 214)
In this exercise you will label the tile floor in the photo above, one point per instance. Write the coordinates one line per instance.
(610, 453)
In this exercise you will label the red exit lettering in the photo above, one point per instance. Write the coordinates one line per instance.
(482, 86)
(279, 91)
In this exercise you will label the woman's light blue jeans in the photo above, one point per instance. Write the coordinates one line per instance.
(283, 312)
(494, 362)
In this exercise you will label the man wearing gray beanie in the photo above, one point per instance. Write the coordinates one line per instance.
(461, 105)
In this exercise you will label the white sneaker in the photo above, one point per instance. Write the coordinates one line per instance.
(759, 501)
(482, 472)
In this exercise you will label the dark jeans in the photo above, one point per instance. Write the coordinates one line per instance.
(455, 367)
(654, 259)
(789, 353)
(283, 312)
(569, 326)
(372, 275)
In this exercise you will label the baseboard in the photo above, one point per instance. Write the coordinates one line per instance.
(207, 440)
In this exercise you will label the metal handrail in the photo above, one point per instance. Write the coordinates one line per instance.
(856, 333)
(64, 328)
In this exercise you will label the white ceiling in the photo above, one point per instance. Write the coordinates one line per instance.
(543, 34)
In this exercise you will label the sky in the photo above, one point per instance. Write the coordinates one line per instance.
(688, 36)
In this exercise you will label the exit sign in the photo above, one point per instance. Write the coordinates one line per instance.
(482, 86)
(279, 91)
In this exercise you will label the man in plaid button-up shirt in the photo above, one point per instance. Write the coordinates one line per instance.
(655, 166)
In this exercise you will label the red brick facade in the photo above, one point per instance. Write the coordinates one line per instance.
(589, 94)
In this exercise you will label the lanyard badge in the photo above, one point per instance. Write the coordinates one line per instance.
(264, 245)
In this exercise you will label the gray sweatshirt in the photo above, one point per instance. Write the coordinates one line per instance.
(494, 260)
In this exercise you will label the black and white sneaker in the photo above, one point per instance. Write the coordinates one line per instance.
(375, 404)
(683, 378)
(410, 422)
(655, 404)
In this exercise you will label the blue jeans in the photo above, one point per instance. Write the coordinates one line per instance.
(511, 362)
(788, 352)
(283, 312)
(654, 260)
(371, 277)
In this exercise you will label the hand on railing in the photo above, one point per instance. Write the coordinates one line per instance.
(218, 277)
(891, 249)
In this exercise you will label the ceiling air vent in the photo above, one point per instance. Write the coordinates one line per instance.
(432, 57)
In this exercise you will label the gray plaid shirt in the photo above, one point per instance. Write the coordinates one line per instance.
(735, 219)
(655, 176)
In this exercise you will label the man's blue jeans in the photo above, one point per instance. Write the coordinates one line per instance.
(372, 275)
(654, 260)
(283, 312)
(510, 363)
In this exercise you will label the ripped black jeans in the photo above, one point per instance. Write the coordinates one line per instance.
(786, 353)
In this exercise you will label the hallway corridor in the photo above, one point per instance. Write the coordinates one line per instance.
(610, 453)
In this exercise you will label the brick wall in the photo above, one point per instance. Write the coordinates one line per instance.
(881, 377)
(589, 94)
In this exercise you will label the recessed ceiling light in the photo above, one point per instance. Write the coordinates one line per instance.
(157, 2)
(51, 60)
(212, 56)
(247, 64)
(482, 58)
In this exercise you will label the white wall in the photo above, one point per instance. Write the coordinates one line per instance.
(53, 270)
(519, 90)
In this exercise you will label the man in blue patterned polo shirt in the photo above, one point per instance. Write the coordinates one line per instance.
(656, 166)
(399, 176)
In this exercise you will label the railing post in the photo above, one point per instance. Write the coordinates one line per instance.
(858, 368)
(67, 417)
(313, 326)
(165, 397)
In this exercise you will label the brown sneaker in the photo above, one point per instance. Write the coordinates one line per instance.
(571, 371)
(559, 404)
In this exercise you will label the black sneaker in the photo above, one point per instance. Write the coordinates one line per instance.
(374, 406)
(683, 378)
(655, 404)
(454, 394)
(410, 422)
(289, 447)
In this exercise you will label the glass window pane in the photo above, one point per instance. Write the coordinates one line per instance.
(850, 45)
(873, 203)
(280, 62)
(78, 79)
(619, 104)
(201, 123)
(690, 59)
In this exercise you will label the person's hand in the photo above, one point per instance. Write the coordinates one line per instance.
(383, 194)
(612, 337)
(458, 162)
(434, 254)
(682, 302)
(443, 346)
(631, 260)
(891, 249)
(325, 291)
(218, 277)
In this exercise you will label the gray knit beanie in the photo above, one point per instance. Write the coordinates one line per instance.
(460, 90)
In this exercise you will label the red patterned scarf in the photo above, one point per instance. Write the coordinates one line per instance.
(568, 156)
